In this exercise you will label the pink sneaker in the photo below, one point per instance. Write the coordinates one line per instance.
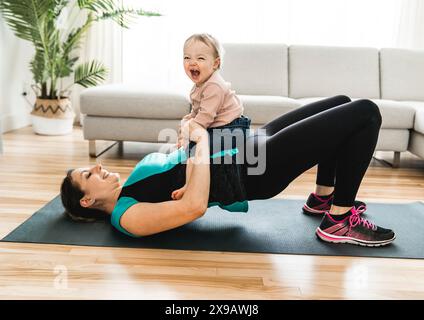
(355, 230)
(317, 206)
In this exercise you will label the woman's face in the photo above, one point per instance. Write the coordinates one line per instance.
(96, 183)
(199, 61)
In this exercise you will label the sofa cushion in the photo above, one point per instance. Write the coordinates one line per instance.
(419, 115)
(402, 74)
(394, 114)
(130, 129)
(393, 140)
(319, 71)
(416, 144)
(256, 69)
(262, 109)
(119, 100)
(305, 101)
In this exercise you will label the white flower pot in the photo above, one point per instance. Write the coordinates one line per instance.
(51, 126)
(52, 117)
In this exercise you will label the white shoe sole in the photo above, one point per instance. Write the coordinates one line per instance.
(339, 239)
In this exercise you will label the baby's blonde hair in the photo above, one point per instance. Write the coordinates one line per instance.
(211, 42)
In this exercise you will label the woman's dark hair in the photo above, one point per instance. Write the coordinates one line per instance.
(71, 194)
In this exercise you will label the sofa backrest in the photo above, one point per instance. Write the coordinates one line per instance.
(402, 74)
(256, 69)
(320, 71)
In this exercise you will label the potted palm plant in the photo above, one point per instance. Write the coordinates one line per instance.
(56, 52)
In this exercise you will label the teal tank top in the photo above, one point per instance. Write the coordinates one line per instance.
(158, 174)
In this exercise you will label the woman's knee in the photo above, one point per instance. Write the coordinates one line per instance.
(370, 109)
(342, 98)
(338, 100)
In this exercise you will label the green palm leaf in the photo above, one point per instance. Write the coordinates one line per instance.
(74, 38)
(106, 9)
(124, 16)
(39, 67)
(97, 4)
(35, 21)
(26, 18)
(90, 74)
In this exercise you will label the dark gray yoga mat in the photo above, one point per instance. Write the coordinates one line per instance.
(270, 226)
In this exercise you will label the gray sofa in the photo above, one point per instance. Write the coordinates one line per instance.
(272, 79)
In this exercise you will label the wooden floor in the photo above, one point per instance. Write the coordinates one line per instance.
(31, 170)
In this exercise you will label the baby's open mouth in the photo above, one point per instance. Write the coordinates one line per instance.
(195, 73)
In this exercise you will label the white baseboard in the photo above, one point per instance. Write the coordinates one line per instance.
(11, 122)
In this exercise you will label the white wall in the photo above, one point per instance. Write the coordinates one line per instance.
(153, 46)
(15, 55)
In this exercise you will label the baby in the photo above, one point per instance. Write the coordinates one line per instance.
(214, 104)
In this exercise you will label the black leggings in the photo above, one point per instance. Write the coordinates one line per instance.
(336, 134)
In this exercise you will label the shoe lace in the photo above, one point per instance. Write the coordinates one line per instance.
(355, 220)
(361, 209)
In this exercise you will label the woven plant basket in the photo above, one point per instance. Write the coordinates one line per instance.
(52, 116)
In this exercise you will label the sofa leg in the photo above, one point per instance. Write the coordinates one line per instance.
(121, 147)
(396, 159)
(92, 148)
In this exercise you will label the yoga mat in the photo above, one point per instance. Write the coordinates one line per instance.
(270, 226)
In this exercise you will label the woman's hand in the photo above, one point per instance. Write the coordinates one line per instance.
(180, 141)
(196, 131)
(191, 130)
(183, 135)
(178, 194)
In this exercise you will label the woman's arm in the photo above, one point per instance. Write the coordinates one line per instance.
(189, 164)
(183, 123)
(144, 219)
(178, 193)
(199, 180)
(183, 140)
(189, 168)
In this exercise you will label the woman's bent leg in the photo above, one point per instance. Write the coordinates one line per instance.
(349, 131)
(303, 112)
(326, 167)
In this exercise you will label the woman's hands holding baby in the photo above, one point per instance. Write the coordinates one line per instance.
(180, 141)
(190, 131)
